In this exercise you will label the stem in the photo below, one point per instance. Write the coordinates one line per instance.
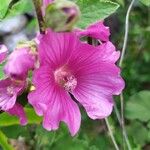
(37, 5)
(126, 33)
(120, 64)
(111, 134)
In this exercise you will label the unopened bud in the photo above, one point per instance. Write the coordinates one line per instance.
(61, 15)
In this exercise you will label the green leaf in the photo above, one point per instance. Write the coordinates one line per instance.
(20, 7)
(1, 72)
(8, 120)
(94, 10)
(11, 8)
(4, 142)
(4, 7)
(138, 106)
(145, 2)
(141, 137)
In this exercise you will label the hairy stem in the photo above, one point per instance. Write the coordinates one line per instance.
(37, 5)
(120, 64)
(111, 134)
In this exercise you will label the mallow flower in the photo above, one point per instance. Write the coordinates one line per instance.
(21, 60)
(96, 30)
(3, 53)
(16, 69)
(70, 68)
(9, 90)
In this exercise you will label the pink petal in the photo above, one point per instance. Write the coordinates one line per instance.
(97, 30)
(9, 90)
(97, 81)
(56, 48)
(19, 63)
(56, 105)
(62, 108)
(18, 110)
(108, 52)
(3, 53)
(53, 102)
(94, 92)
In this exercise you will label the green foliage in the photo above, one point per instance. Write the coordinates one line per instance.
(1, 71)
(145, 2)
(138, 106)
(138, 133)
(4, 142)
(94, 10)
(4, 7)
(11, 8)
(13, 120)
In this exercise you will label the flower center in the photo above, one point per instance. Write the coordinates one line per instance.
(65, 78)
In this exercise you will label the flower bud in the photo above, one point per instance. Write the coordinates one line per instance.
(61, 15)
(21, 60)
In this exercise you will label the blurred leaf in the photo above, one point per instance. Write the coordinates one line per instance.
(20, 7)
(145, 2)
(8, 120)
(94, 10)
(141, 137)
(1, 72)
(121, 2)
(4, 142)
(138, 106)
(4, 7)
(15, 131)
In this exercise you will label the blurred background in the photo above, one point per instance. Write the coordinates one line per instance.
(93, 135)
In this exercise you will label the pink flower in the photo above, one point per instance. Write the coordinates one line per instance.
(3, 53)
(18, 110)
(68, 66)
(9, 90)
(20, 61)
(97, 30)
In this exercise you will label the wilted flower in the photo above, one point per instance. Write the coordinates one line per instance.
(20, 61)
(9, 90)
(3, 53)
(70, 67)
(61, 15)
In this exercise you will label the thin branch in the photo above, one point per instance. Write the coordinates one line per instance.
(120, 64)
(111, 134)
(126, 33)
(37, 5)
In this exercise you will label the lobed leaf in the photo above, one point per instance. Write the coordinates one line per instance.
(94, 10)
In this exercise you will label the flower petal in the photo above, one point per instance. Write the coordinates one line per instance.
(56, 48)
(3, 53)
(56, 106)
(18, 110)
(108, 52)
(9, 90)
(19, 63)
(97, 81)
(62, 108)
(53, 102)
(97, 30)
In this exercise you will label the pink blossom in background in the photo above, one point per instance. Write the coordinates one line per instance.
(20, 61)
(9, 90)
(3, 53)
(69, 66)
(18, 110)
(97, 30)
